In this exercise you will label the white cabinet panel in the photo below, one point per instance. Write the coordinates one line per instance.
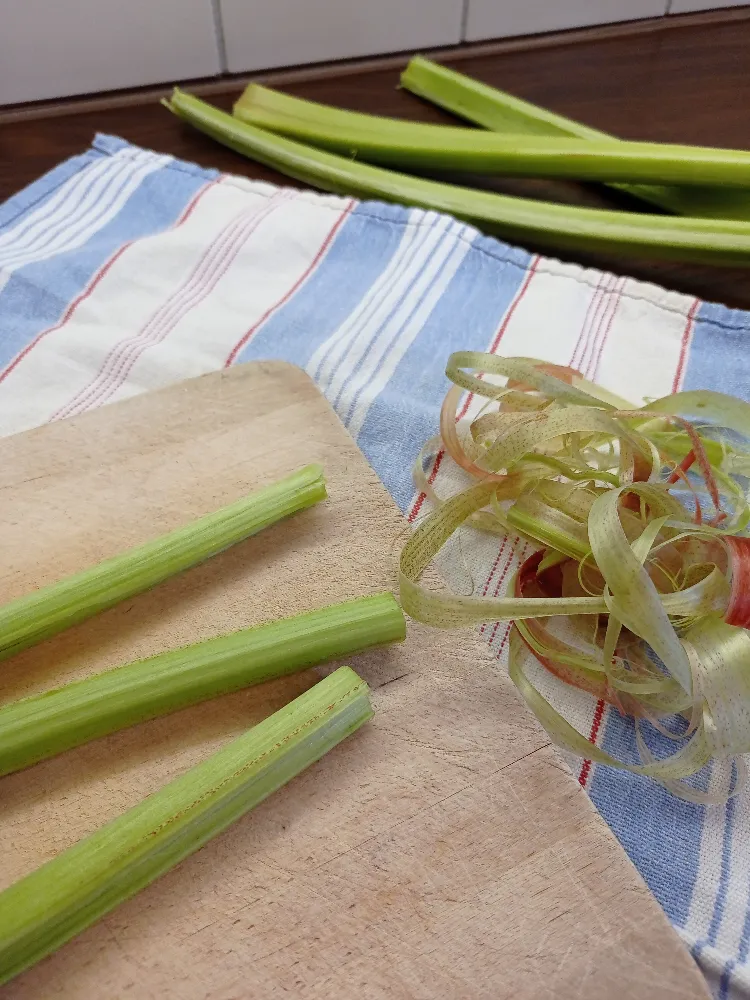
(502, 18)
(683, 6)
(53, 48)
(264, 33)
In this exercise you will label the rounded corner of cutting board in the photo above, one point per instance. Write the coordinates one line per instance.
(290, 373)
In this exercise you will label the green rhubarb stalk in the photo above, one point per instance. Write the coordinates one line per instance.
(548, 535)
(413, 145)
(47, 724)
(501, 112)
(34, 617)
(545, 223)
(57, 901)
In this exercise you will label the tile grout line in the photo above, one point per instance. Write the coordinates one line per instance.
(221, 44)
(464, 20)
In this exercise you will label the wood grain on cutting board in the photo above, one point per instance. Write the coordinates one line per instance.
(441, 852)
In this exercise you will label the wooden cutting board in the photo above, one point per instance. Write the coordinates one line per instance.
(443, 851)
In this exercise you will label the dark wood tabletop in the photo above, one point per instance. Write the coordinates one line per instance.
(686, 82)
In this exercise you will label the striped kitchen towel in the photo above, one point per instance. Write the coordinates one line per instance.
(123, 270)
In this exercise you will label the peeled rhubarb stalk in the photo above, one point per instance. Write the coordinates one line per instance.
(49, 610)
(46, 724)
(78, 887)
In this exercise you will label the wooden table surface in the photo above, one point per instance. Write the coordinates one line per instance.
(685, 80)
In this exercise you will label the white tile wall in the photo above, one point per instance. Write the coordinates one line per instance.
(683, 6)
(503, 18)
(54, 48)
(265, 33)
